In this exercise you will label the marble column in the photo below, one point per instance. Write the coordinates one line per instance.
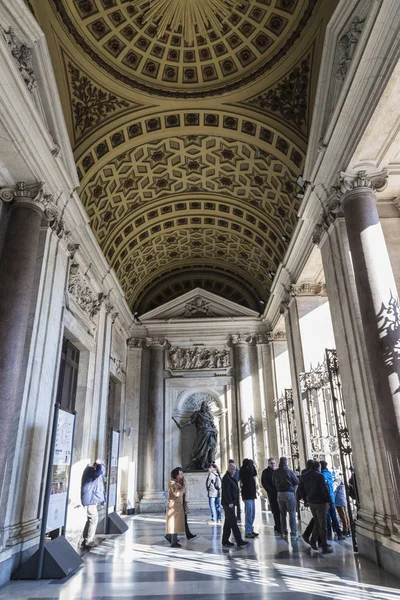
(247, 393)
(267, 389)
(154, 496)
(296, 362)
(357, 386)
(380, 312)
(17, 272)
(134, 442)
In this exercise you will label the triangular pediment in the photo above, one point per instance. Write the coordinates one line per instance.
(198, 304)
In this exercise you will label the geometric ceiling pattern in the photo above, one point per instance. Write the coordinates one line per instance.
(188, 154)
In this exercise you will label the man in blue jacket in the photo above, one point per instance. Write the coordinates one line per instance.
(92, 494)
(331, 515)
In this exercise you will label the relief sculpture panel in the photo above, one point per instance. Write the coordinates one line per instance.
(184, 359)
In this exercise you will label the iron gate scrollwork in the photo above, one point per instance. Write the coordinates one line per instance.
(325, 417)
(287, 428)
(343, 435)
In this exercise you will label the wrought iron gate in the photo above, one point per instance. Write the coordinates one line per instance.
(287, 428)
(325, 419)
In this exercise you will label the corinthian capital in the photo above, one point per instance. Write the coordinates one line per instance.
(31, 195)
(375, 181)
(241, 338)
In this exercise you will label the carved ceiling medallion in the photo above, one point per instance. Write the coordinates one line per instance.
(192, 17)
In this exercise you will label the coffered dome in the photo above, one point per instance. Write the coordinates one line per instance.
(189, 121)
(158, 47)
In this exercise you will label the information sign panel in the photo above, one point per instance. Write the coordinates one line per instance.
(61, 470)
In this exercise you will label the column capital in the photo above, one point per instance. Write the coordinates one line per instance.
(242, 339)
(352, 181)
(32, 196)
(157, 343)
(136, 343)
(308, 289)
(277, 336)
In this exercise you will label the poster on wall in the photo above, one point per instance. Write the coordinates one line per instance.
(113, 471)
(61, 469)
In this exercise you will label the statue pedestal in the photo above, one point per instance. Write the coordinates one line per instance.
(198, 498)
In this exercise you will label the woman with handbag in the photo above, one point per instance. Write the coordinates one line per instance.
(177, 508)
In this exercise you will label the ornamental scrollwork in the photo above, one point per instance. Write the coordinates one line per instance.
(289, 97)
(347, 45)
(23, 58)
(90, 104)
(182, 359)
(241, 338)
(80, 290)
(375, 181)
(197, 308)
(314, 379)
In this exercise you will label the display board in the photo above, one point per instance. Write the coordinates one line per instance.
(113, 471)
(60, 464)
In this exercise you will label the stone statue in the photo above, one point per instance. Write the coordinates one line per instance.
(203, 451)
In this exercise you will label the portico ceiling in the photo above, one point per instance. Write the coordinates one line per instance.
(188, 153)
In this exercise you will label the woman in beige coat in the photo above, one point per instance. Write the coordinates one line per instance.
(175, 511)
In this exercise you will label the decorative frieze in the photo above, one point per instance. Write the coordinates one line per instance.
(199, 358)
(22, 56)
(347, 45)
(79, 288)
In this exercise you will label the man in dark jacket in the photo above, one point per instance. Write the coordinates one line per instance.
(318, 498)
(247, 480)
(286, 482)
(301, 496)
(230, 495)
(92, 494)
(238, 508)
(269, 487)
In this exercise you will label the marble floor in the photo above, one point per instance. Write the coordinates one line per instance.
(140, 564)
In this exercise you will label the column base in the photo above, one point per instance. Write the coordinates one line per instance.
(381, 550)
(153, 502)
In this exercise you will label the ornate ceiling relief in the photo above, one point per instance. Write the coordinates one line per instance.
(92, 105)
(200, 190)
(146, 49)
(289, 99)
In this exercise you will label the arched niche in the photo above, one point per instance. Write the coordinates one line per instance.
(189, 401)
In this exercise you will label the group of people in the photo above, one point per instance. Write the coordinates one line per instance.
(284, 488)
(316, 488)
(221, 491)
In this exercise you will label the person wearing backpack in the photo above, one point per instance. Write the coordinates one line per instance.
(213, 485)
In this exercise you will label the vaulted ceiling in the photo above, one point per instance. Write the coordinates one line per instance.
(189, 121)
